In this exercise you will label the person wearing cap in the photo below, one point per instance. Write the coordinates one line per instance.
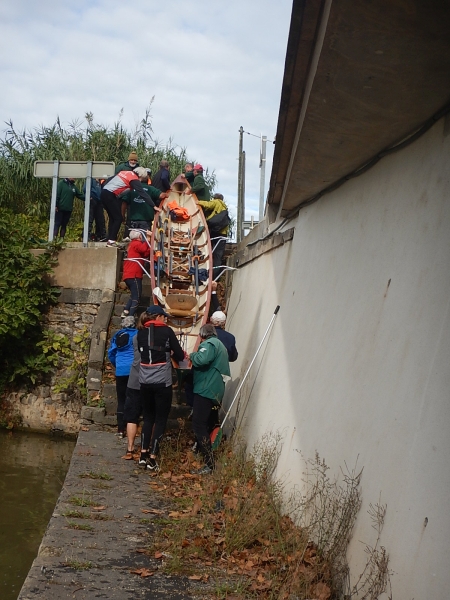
(113, 188)
(199, 186)
(136, 211)
(211, 370)
(156, 344)
(66, 191)
(218, 319)
(161, 179)
(130, 165)
(121, 354)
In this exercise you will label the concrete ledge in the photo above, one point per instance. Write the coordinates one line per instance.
(86, 268)
(97, 350)
(103, 317)
(248, 254)
(80, 296)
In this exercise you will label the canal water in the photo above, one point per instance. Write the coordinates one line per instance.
(32, 471)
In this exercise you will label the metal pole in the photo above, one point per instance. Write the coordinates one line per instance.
(51, 227)
(240, 224)
(262, 166)
(87, 203)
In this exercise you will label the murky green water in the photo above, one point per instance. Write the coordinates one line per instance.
(32, 471)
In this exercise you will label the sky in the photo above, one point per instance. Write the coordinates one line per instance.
(210, 66)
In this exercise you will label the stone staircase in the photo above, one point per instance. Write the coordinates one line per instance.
(106, 415)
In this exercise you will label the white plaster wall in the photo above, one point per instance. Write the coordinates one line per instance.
(356, 367)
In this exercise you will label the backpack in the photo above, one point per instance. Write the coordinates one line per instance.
(218, 222)
(122, 340)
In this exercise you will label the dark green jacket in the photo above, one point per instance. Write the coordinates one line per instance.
(65, 193)
(138, 209)
(125, 166)
(189, 177)
(200, 189)
(209, 363)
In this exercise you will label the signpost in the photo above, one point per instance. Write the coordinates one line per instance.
(77, 170)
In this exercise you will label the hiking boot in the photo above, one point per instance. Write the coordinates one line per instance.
(152, 465)
(205, 470)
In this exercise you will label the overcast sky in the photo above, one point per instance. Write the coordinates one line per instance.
(211, 66)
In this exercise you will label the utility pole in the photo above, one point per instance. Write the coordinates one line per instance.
(241, 189)
(262, 166)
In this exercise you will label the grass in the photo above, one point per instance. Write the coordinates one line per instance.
(81, 501)
(94, 475)
(79, 526)
(77, 514)
(255, 538)
(79, 565)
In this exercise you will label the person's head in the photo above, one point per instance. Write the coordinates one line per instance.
(198, 168)
(156, 312)
(218, 318)
(142, 320)
(207, 331)
(128, 322)
(141, 173)
(188, 167)
(218, 197)
(164, 164)
(149, 172)
(135, 234)
(133, 159)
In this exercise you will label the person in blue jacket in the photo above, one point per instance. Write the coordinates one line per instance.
(121, 354)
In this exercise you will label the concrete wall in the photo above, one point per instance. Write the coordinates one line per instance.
(357, 362)
(94, 267)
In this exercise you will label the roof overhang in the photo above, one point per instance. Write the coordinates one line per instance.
(359, 77)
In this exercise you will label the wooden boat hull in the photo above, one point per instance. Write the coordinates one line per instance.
(181, 265)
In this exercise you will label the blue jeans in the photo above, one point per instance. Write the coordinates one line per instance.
(135, 287)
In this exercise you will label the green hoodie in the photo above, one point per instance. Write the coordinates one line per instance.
(65, 193)
(200, 189)
(210, 362)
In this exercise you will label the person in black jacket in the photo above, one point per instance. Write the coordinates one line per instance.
(161, 179)
(218, 319)
(156, 343)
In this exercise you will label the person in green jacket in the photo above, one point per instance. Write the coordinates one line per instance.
(199, 186)
(139, 214)
(130, 165)
(211, 371)
(65, 193)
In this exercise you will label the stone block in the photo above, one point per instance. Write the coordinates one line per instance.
(43, 391)
(97, 413)
(116, 321)
(80, 296)
(108, 296)
(105, 420)
(118, 309)
(97, 350)
(103, 317)
(94, 379)
(110, 406)
(86, 412)
(109, 391)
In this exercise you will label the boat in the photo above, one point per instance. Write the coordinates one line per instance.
(181, 255)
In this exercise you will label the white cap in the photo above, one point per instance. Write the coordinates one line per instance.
(218, 317)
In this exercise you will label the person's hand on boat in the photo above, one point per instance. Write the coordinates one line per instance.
(188, 191)
(157, 209)
(213, 286)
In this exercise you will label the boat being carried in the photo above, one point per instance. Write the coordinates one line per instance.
(182, 271)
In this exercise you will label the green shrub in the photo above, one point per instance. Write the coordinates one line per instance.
(24, 294)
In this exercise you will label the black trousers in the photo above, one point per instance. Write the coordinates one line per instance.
(112, 206)
(156, 404)
(204, 419)
(121, 392)
(218, 252)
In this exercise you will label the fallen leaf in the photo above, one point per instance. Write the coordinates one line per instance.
(195, 577)
(185, 543)
(141, 550)
(196, 508)
(143, 572)
(98, 507)
(158, 555)
(321, 591)
(152, 511)
(85, 429)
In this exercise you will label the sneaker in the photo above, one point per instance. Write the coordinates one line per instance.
(112, 244)
(152, 465)
(143, 459)
(195, 447)
(205, 470)
(126, 239)
(124, 314)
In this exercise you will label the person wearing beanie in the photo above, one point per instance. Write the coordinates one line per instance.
(121, 354)
(138, 259)
(161, 179)
(129, 165)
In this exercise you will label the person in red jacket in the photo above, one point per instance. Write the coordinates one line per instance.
(138, 255)
(113, 188)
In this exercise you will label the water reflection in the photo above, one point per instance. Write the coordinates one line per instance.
(32, 471)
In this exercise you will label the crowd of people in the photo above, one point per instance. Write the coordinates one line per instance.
(142, 351)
